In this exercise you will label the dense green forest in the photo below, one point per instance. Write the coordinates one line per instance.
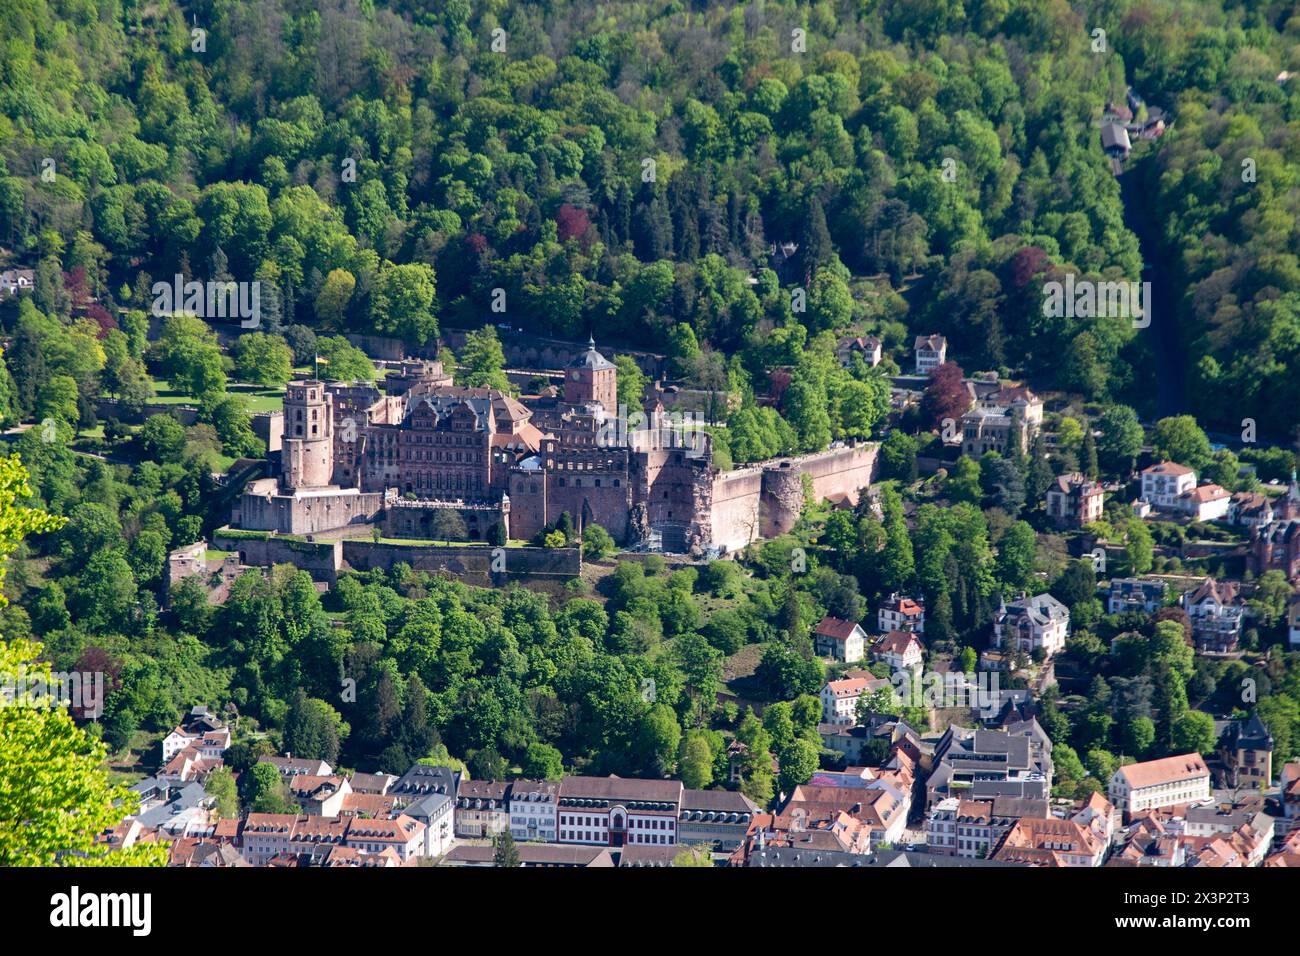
(625, 168)
(381, 166)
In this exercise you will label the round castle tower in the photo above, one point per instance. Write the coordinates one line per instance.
(307, 457)
(781, 501)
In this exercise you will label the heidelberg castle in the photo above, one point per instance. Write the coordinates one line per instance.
(356, 454)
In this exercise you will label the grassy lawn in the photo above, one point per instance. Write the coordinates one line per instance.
(164, 394)
(258, 398)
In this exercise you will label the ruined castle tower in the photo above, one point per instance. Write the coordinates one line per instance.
(592, 378)
(781, 501)
(307, 457)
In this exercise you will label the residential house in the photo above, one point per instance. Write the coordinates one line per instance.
(1288, 853)
(1115, 141)
(13, 281)
(1051, 842)
(200, 729)
(1276, 547)
(1033, 623)
(532, 810)
(1208, 502)
(265, 836)
(289, 765)
(880, 733)
(1074, 501)
(840, 697)
(403, 835)
(191, 764)
(1136, 595)
(1250, 509)
(1005, 421)
(901, 650)
(437, 811)
(1246, 828)
(842, 640)
(931, 352)
(319, 796)
(1246, 846)
(881, 809)
(1099, 815)
(969, 828)
(170, 810)
(347, 856)
(901, 614)
(868, 347)
(197, 852)
(1246, 752)
(1151, 839)
(1217, 615)
(482, 808)
(373, 783)
(1168, 782)
(1163, 483)
(422, 780)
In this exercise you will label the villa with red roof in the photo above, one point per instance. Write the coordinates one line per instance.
(901, 614)
(843, 640)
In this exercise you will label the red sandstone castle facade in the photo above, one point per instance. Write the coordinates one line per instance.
(356, 454)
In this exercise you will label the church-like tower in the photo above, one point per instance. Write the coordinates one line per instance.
(592, 378)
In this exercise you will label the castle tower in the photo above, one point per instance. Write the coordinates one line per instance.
(781, 500)
(1288, 508)
(307, 456)
(592, 378)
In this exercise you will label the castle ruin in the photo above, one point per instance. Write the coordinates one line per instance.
(402, 456)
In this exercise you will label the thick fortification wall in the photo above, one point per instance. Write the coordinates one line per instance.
(766, 499)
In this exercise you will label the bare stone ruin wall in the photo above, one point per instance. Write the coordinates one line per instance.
(470, 563)
(735, 508)
(321, 559)
(766, 499)
(307, 515)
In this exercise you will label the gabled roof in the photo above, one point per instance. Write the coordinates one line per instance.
(1166, 770)
(896, 642)
(836, 628)
(1221, 592)
(1168, 468)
